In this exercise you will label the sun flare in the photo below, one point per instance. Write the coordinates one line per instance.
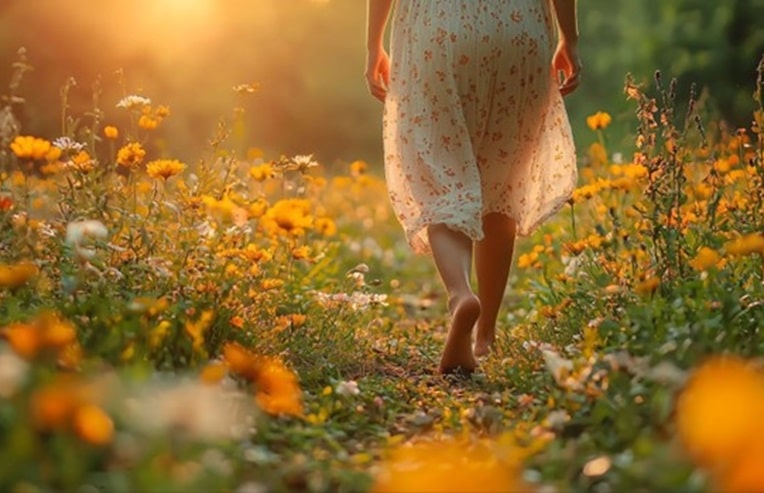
(189, 7)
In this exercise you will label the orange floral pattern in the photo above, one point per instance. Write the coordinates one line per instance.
(473, 121)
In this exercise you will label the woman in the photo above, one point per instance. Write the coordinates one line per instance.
(478, 147)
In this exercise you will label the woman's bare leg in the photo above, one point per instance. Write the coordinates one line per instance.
(452, 252)
(493, 258)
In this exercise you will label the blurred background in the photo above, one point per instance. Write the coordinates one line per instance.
(308, 58)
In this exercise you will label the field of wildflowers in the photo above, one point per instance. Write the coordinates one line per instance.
(250, 323)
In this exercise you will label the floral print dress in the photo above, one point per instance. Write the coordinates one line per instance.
(474, 122)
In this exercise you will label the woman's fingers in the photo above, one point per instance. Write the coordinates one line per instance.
(567, 63)
(571, 82)
(377, 85)
(378, 75)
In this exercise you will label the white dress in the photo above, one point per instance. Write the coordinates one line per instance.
(474, 121)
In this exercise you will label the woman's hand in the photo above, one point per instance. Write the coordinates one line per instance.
(378, 72)
(567, 62)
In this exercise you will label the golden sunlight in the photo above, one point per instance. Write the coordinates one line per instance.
(190, 10)
(173, 24)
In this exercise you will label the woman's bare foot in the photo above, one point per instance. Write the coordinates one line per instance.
(484, 340)
(457, 354)
(483, 345)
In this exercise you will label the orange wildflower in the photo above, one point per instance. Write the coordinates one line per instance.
(752, 243)
(93, 425)
(598, 121)
(111, 132)
(277, 389)
(705, 259)
(16, 275)
(131, 155)
(718, 414)
(213, 373)
(448, 466)
(164, 168)
(28, 147)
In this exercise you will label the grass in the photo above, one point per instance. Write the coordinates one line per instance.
(247, 323)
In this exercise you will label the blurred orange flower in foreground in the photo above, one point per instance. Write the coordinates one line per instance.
(93, 425)
(67, 403)
(448, 465)
(718, 418)
(47, 331)
(752, 243)
(278, 391)
(16, 275)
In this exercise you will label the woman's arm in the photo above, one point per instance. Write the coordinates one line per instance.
(566, 19)
(566, 59)
(377, 60)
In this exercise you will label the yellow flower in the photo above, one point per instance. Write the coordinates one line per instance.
(162, 111)
(598, 121)
(448, 465)
(648, 286)
(160, 332)
(258, 208)
(146, 122)
(301, 252)
(744, 475)
(588, 191)
(131, 155)
(341, 182)
(82, 162)
(23, 338)
(289, 216)
(213, 373)
(197, 328)
(93, 425)
(358, 168)
(635, 171)
(705, 259)
(53, 406)
(718, 414)
(268, 284)
(56, 332)
(527, 260)
(250, 253)
(164, 168)
(70, 357)
(111, 132)
(27, 147)
(703, 191)
(262, 172)
(16, 275)
(226, 209)
(240, 360)
(722, 165)
(236, 321)
(752, 243)
(47, 331)
(326, 226)
(290, 321)
(277, 389)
